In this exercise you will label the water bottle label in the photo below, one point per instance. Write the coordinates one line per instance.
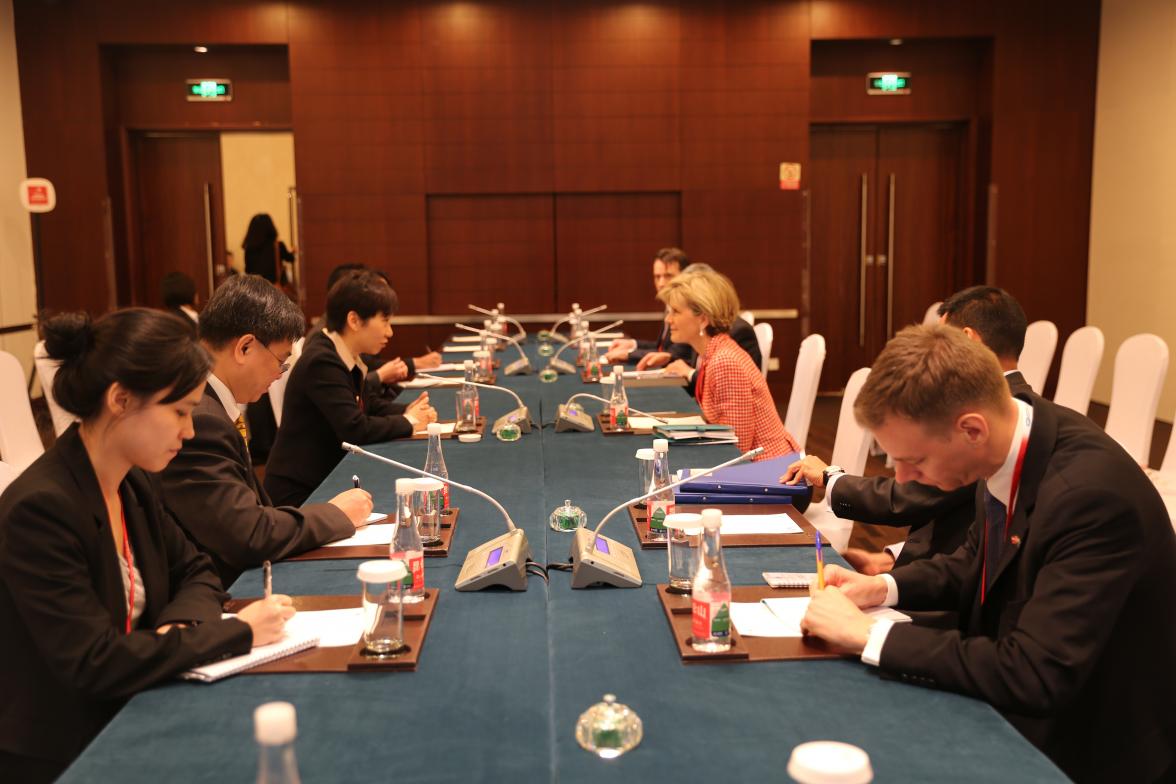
(443, 498)
(657, 514)
(710, 620)
(415, 579)
(618, 417)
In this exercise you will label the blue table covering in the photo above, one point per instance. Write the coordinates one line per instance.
(504, 676)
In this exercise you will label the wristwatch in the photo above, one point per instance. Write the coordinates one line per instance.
(829, 472)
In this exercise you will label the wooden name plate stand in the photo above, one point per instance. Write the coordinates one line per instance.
(606, 428)
(743, 649)
(368, 551)
(423, 435)
(348, 658)
(806, 537)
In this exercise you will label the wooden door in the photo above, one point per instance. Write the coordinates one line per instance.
(887, 234)
(178, 221)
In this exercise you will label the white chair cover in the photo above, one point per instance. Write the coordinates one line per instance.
(277, 390)
(1081, 358)
(20, 444)
(764, 334)
(1041, 340)
(1141, 365)
(931, 317)
(46, 371)
(809, 361)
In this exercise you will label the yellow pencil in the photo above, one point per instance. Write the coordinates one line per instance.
(820, 565)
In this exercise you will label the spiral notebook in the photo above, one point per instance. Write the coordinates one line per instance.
(790, 579)
(261, 654)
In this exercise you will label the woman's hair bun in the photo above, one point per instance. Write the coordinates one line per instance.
(68, 336)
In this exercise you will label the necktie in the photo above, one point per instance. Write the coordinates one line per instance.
(240, 423)
(996, 516)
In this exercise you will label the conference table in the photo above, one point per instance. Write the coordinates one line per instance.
(503, 676)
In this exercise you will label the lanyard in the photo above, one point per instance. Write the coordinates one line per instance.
(129, 557)
(1014, 486)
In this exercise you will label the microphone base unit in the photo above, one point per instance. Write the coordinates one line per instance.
(520, 367)
(520, 416)
(559, 366)
(598, 560)
(501, 561)
(573, 418)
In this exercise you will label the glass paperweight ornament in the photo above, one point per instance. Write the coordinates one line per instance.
(608, 729)
(568, 517)
(546, 349)
(509, 432)
(548, 375)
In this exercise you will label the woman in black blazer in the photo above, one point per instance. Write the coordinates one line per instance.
(327, 401)
(101, 594)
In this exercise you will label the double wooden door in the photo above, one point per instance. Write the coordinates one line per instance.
(887, 233)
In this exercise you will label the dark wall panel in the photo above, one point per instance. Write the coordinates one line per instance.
(605, 244)
(490, 246)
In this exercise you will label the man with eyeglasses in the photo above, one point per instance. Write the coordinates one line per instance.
(249, 327)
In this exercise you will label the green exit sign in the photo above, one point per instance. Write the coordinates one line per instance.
(888, 83)
(209, 90)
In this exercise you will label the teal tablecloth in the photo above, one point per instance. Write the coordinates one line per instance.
(504, 676)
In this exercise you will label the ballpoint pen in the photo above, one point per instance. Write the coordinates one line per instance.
(820, 564)
(268, 577)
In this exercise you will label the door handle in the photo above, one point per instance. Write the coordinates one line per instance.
(889, 257)
(865, 261)
(208, 236)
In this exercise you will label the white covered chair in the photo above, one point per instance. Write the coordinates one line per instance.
(1141, 365)
(277, 390)
(46, 371)
(748, 316)
(764, 335)
(931, 317)
(7, 474)
(20, 444)
(851, 448)
(1081, 358)
(1041, 341)
(809, 362)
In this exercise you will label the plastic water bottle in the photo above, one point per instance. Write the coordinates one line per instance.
(710, 626)
(469, 391)
(435, 463)
(407, 547)
(618, 402)
(275, 725)
(661, 504)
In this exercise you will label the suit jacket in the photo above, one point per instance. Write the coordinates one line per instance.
(649, 346)
(66, 665)
(1075, 641)
(743, 334)
(322, 409)
(939, 520)
(181, 314)
(214, 495)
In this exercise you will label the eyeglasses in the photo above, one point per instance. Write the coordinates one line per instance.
(282, 366)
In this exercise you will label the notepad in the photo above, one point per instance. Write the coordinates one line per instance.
(459, 349)
(431, 383)
(759, 524)
(466, 338)
(790, 579)
(371, 535)
(261, 654)
(649, 423)
(782, 617)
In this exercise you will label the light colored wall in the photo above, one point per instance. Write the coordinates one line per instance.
(257, 169)
(18, 299)
(1133, 208)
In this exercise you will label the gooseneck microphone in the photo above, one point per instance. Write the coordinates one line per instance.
(501, 561)
(522, 365)
(519, 416)
(569, 417)
(597, 559)
(560, 365)
(498, 312)
(566, 318)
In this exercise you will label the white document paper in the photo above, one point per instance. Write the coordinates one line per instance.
(471, 338)
(759, 524)
(372, 534)
(459, 349)
(377, 517)
(650, 422)
(334, 628)
(431, 383)
(446, 427)
(786, 615)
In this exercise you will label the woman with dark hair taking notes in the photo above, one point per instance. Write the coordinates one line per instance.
(700, 308)
(101, 594)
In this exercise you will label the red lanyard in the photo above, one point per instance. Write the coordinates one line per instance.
(130, 559)
(1014, 486)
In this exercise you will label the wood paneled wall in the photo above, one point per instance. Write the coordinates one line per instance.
(412, 117)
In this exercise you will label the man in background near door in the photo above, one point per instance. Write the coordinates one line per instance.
(938, 520)
(248, 327)
(667, 263)
(179, 297)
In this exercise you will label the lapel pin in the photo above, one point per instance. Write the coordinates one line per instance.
(1015, 540)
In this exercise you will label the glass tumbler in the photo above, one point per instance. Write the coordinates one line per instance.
(383, 612)
(682, 549)
(644, 474)
(426, 508)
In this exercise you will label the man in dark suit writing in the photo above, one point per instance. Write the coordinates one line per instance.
(1065, 586)
(248, 327)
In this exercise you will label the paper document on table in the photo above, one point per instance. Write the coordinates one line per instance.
(377, 517)
(466, 338)
(788, 613)
(371, 535)
(649, 423)
(431, 383)
(334, 628)
(759, 524)
(444, 367)
(753, 619)
(459, 349)
(609, 335)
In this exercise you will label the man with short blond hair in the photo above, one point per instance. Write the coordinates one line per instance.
(1065, 586)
